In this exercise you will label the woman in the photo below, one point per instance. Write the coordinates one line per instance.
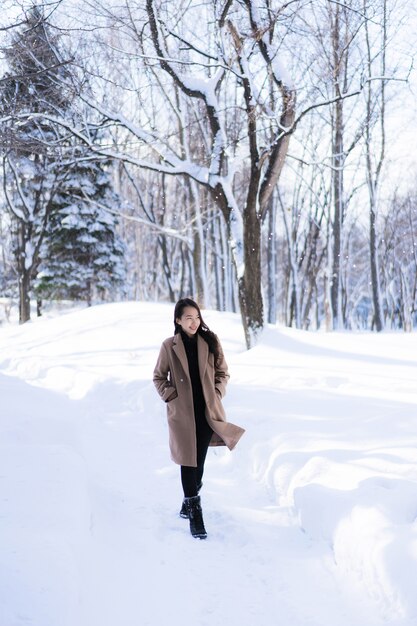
(191, 377)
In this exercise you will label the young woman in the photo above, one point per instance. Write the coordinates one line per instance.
(191, 377)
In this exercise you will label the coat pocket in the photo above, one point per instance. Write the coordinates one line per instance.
(173, 396)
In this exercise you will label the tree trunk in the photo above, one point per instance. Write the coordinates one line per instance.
(198, 262)
(250, 280)
(199, 199)
(272, 262)
(338, 216)
(405, 302)
(24, 297)
(374, 171)
(229, 273)
(166, 266)
(376, 290)
(23, 272)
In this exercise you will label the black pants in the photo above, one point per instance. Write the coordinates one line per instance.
(191, 477)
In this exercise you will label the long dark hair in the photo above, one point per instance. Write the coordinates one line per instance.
(203, 330)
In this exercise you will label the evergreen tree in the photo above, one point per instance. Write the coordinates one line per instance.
(82, 258)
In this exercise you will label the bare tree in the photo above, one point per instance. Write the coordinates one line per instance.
(244, 223)
(375, 95)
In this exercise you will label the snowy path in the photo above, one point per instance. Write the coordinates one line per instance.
(311, 521)
(252, 567)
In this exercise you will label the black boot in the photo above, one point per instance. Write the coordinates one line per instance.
(195, 515)
(184, 512)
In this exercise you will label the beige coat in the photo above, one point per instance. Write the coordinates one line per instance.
(172, 381)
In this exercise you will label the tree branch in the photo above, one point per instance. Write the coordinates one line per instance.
(280, 147)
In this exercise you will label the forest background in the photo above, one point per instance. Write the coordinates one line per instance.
(254, 154)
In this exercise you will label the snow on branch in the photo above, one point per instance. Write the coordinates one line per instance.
(286, 120)
(169, 164)
(194, 87)
(28, 76)
(170, 232)
(26, 213)
(260, 30)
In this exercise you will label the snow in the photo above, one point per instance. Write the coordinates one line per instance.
(29, 252)
(311, 520)
(280, 72)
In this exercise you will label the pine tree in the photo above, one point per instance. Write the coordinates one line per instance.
(82, 257)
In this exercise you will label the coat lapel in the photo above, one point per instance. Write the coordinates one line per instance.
(179, 350)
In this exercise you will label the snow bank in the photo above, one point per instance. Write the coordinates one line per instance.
(45, 513)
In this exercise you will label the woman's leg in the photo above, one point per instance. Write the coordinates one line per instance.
(189, 481)
(191, 477)
(204, 442)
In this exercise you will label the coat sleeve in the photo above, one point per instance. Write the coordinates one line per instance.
(221, 373)
(162, 377)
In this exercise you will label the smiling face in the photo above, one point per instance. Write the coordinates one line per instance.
(189, 320)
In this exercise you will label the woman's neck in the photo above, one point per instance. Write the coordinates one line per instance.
(188, 337)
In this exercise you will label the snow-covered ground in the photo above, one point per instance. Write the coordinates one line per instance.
(312, 520)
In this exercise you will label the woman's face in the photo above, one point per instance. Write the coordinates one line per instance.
(189, 320)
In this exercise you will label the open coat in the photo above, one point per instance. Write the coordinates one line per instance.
(173, 383)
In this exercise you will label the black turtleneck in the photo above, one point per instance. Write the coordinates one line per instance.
(191, 350)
